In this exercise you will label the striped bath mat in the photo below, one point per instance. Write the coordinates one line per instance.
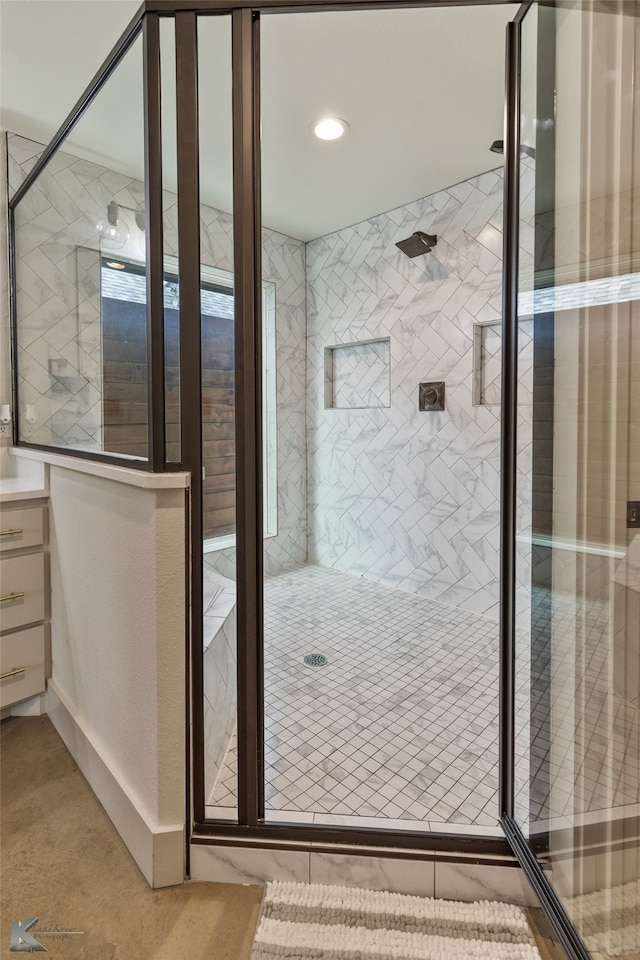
(309, 921)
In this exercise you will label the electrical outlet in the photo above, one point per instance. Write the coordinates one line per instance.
(5, 429)
(633, 513)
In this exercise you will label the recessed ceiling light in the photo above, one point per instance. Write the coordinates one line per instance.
(330, 128)
(115, 265)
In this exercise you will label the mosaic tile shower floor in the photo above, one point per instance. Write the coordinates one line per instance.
(401, 723)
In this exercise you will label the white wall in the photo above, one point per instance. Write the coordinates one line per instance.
(117, 692)
(117, 586)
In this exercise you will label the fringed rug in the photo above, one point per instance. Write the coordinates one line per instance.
(301, 921)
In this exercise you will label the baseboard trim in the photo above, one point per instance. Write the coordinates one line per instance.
(33, 707)
(159, 851)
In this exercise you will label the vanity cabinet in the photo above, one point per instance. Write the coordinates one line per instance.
(23, 600)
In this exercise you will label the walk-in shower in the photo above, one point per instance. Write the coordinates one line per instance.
(413, 585)
(381, 561)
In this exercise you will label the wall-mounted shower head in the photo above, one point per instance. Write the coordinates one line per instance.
(417, 244)
(497, 146)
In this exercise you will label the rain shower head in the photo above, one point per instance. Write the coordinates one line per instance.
(417, 244)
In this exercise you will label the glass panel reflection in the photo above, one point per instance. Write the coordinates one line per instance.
(578, 784)
(82, 378)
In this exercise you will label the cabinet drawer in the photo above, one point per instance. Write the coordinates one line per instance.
(21, 665)
(21, 590)
(21, 527)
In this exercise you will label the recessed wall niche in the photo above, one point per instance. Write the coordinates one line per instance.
(487, 359)
(357, 375)
(487, 362)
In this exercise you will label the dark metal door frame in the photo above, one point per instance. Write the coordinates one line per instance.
(245, 26)
(520, 845)
(251, 826)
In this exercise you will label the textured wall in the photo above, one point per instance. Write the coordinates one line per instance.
(404, 497)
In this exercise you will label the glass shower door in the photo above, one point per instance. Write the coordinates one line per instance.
(577, 764)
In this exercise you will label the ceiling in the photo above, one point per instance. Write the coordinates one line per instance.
(422, 91)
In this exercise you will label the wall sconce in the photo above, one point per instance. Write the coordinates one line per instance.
(115, 229)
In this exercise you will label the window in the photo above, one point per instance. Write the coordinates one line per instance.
(124, 367)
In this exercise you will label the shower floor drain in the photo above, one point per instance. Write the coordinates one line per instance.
(315, 660)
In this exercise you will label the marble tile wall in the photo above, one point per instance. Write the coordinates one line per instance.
(407, 498)
(418, 877)
(58, 294)
(219, 672)
(491, 353)
(358, 375)
(59, 308)
(410, 498)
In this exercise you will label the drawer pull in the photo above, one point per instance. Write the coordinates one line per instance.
(12, 673)
(9, 533)
(11, 596)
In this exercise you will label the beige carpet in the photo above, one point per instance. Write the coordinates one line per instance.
(62, 861)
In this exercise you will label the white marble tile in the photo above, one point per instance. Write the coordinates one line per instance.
(470, 881)
(384, 483)
(467, 829)
(288, 816)
(222, 864)
(221, 813)
(371, 823)
(374, 873)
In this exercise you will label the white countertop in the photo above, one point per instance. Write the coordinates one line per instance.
(13, 488)
(108, 471)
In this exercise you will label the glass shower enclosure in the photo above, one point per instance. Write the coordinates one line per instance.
(159, 325)
(577, 588)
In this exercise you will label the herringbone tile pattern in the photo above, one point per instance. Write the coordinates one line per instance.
(59, 312)
(408, 498)
(358, 376)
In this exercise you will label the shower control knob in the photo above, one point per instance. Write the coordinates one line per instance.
(431, 396)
